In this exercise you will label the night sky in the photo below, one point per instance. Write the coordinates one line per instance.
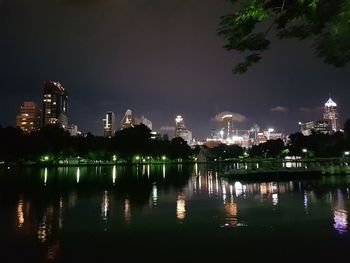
(159, 58)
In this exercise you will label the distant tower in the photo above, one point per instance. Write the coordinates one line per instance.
(127, 120)
(29, 118)
(109, 124)
(179, 125)
(55, 104)
(181, 131)
(227, 123)
(331, 114)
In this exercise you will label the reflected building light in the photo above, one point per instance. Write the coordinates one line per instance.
(216, 183)
(143, 169)
(231, 190)
(200, 182)
(275, 199)
(20, 214)
(114, 174)
(127, 210)
(231, 214)
(163, 171)
(195, 184)
(306, 202)
(180, 207)
(210, 184)
(196, 168)
(105, 206)
(148, 167)
(224, 193)
(340, 214)
(42, 230)
(78, 175)
(340, 221)
(45, 176)
(60, 213)
(238, 188)
(274, 187)
(264, 188)
(155, 195)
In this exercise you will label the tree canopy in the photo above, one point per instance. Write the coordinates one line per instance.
(253, 23)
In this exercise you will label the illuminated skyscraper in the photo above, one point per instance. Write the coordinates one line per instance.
(127, 120)
(55, 104)
(331, 114)
(109, 124)
(227, 125)
(29, 118)
(181, 131)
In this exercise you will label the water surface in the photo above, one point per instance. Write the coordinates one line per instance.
(168, 213)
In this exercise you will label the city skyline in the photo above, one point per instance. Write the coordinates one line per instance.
(178, 67)
(55, 101)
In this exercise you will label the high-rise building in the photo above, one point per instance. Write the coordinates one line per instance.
(227, 125)
(109, 124)
(144, 121)
(331, 114)
(55, 104)
(127, 121)
(310, 127)
(29, 118)
(181, 131)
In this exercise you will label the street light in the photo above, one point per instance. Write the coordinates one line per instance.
(304, 150)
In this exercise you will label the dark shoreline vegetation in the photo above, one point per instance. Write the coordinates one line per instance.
(52, 146)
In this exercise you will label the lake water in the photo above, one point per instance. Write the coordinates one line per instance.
(175, 213)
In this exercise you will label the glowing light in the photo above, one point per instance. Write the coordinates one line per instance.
(105, 207)
(163, 158)
(347, 153)
(271, 130)
(155, 195)
(340, 220)
(114, 174)
(180, 207)
(45, 176)
(20, 214)
(163, 170)
(238, 188)
(274, 199)
(304, 150)
(137, 158)
(78, 175)
(114, 158)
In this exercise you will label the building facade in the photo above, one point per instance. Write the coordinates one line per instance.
(181, 130)
(29, 119)
(109, 124)
(322, 126)
(55, 104)
(331, 115)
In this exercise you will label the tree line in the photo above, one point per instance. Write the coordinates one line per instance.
(54, 144)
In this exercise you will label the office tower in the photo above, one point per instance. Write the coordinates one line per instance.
(109, 124)
(227, 125)
(331, 114)
(127, 121)
(310, 127)
(181, 131)
(55, 104)
(29, 118)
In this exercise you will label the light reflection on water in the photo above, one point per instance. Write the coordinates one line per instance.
(116, 197)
